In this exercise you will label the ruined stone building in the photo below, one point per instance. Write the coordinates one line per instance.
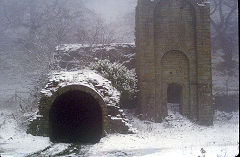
(174, 58)
(173, 63)
(80, 106)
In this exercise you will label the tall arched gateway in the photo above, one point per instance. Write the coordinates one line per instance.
(174, 53)
(175, 80)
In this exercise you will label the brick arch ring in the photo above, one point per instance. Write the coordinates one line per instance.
(175, 51)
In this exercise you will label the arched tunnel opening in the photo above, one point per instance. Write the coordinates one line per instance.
(75, 117)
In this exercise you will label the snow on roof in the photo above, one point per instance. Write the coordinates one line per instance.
(85, 77)
(76, 47)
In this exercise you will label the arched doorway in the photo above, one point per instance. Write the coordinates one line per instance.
(174, 96)
(175, 80)
(75, 116)
(174, 93)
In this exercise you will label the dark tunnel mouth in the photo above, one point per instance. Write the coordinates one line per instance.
(75, 117)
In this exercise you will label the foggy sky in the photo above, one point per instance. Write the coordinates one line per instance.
(111, 9)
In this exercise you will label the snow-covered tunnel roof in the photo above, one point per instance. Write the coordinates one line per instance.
(84, 77)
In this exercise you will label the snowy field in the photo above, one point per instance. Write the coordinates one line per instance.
(176, 136)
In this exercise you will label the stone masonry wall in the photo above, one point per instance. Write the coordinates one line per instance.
(88, 81)
(163, 27)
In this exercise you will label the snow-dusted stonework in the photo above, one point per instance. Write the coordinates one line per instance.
(89, 82)
(173, 53)
(70, 56)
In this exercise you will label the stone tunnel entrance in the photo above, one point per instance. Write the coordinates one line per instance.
(75, 116)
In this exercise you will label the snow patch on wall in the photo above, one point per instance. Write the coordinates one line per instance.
(85, 77)
(76, 47)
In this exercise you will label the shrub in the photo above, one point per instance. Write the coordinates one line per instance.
(122, 78)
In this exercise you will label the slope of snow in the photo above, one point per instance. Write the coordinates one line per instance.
(14, 141)
(176, 136)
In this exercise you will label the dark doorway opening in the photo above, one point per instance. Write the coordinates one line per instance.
(174, 93)
(174, 97)
(75, 117)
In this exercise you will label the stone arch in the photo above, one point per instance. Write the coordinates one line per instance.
(71, 120)
(175, 70)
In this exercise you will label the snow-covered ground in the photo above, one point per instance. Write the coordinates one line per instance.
(176, 136)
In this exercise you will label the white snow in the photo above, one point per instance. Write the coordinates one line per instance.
(95, 47)
(87, 78)
(14, 141)
(176, 136)
(70, 47)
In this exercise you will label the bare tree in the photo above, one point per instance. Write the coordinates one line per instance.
(35, 28)
(224, 22)
(225, 27)
(98, 33)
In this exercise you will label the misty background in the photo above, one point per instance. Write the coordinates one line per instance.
(31, 29)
